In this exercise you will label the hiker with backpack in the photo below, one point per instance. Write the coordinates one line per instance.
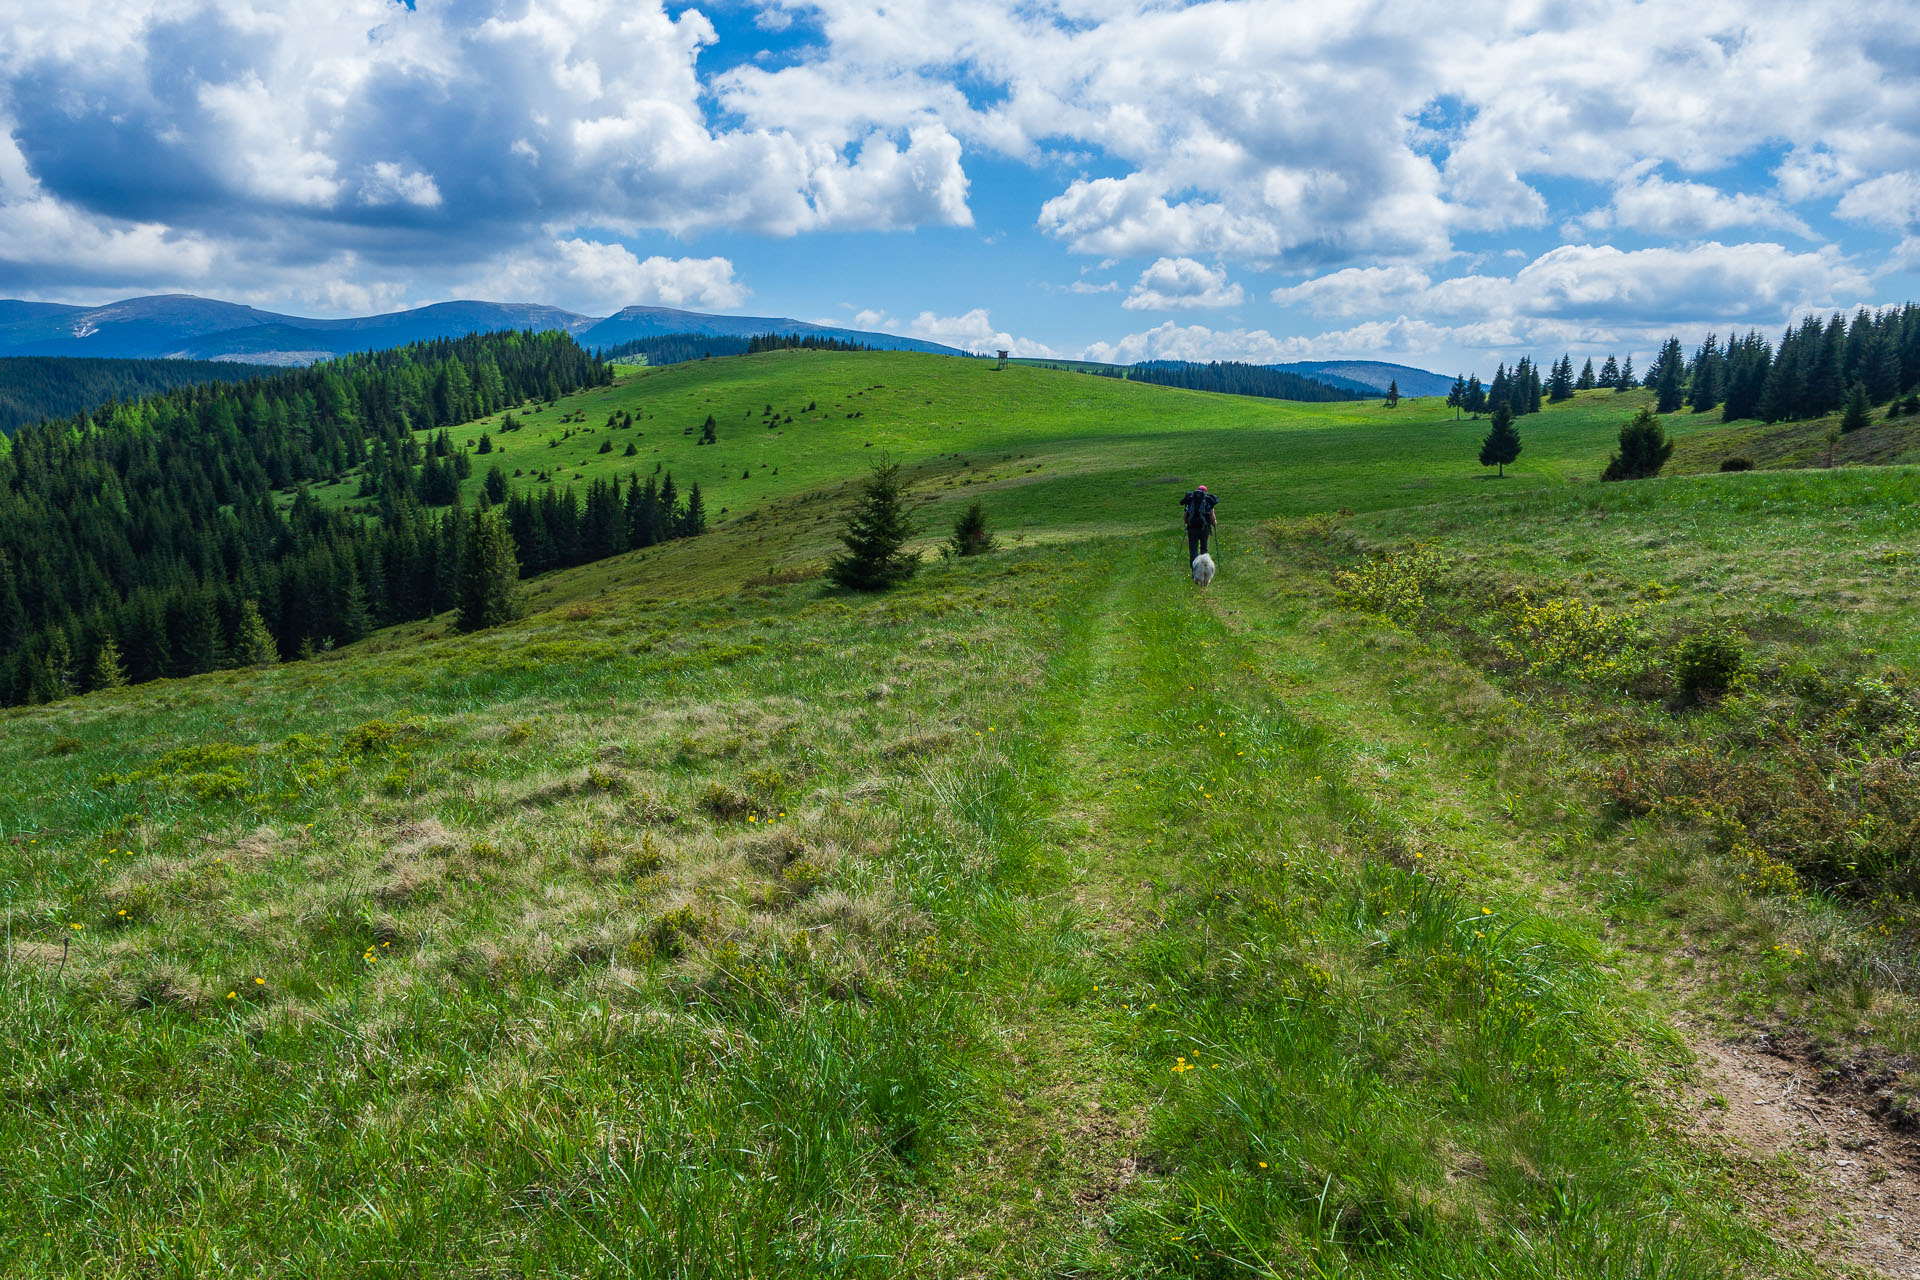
(1197, 506)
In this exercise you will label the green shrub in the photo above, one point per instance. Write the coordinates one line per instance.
(1644, 449)
(1708, 663)
(970, 534)
(1569, 638)
(727, 805)
(1394, 587)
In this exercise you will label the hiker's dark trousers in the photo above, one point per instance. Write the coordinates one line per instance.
(1197, 535)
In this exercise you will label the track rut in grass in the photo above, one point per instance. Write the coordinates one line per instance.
(1272, 1039)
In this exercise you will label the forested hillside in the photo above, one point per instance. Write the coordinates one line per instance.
(1235, 378)
(1818, 368)
(137, 542)
(36, 387)
(678, 348)
(134, 540)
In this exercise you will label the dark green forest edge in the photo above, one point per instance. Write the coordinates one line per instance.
(1234, 378)
(36, 387)
(1818, 368)
(678, 348)
(146, 541)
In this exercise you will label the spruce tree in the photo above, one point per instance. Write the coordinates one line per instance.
(1671, 384)
(643, 513)
(1393, 393)
(1457, 397)
(254, 646)
(877, 530)
(1644, 449)
(1476, 400)
(109, 672)
(1586, 380)
(1502, 444)
(1500, 390)
(1560, 387)
(195, 644)
(710, 431)
(13, 614)
(1704, 391)
(1882, 371)
(52, 677)
(353, 617)
(489, 573)
(1859, 413)
(693, 522)
(1609, 374)
(1825, 387)
(669, 508)
(970, 534)
(1627, 381)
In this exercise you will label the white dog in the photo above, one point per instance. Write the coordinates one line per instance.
(1202, 569)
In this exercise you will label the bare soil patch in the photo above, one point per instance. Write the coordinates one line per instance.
(1835, 1119)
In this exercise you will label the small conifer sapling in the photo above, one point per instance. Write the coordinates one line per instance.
(109, 671)
(1644, 449)
(1859, 412)
(877, 531)
(1502, 444)
(255, 646)
(970, 534)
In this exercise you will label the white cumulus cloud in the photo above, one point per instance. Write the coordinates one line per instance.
(1176, 283)
(388, 183)
(1891, 200)
(1599, 285)
(1171, 341)
(597, 277)
(1656, 206)
(972, 331)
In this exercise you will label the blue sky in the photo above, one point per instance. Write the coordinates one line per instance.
(1445, 184)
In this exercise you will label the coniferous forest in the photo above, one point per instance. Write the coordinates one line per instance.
(678, 348)
(1819, 367)
(675, 348)
(148, 539)
(1235, 378)
(36, 387)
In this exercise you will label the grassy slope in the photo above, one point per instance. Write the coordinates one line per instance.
(940, 413)
(692, 929)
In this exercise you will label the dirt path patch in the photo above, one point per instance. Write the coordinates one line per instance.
(1855, 1165)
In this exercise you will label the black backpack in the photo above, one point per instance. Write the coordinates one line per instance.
(1197, 506)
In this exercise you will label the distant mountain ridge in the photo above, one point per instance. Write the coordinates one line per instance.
(181, 326)
(1370, 375)
(654, 322)
(1367, 377)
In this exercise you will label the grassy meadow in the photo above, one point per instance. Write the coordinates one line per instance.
(1362, 916)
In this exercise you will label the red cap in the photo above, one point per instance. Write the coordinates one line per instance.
(1203, 488)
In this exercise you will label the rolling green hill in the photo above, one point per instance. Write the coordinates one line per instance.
(1405, 905)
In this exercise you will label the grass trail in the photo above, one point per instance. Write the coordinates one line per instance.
(1269, 1037)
